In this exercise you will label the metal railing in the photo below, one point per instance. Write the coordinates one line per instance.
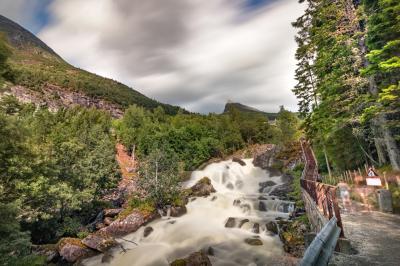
(321, 248)
(323, 195)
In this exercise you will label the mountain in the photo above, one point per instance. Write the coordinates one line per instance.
(41, 76)
(247, 109)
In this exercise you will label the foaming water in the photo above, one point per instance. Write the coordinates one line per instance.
(238, 197)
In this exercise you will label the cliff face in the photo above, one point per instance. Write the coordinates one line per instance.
(55, 98)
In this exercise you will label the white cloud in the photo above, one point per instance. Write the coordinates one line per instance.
(24, 12)
(197, 54)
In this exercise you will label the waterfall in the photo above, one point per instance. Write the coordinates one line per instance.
(220, 224)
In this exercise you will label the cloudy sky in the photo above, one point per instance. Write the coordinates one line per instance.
(194, 53)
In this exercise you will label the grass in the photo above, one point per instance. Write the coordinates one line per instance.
(136, 203)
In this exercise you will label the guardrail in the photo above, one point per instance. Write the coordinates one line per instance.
(321, 248)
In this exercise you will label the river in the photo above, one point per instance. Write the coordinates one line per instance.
(238, 197)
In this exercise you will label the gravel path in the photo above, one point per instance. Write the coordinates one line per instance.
(375, 236)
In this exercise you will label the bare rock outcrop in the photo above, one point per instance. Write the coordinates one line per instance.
(99, 241)
(55, 97)
(72, 249)
(129, 224)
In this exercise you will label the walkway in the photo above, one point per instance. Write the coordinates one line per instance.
(374, 235)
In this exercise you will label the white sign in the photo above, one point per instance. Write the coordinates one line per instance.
(374, 181)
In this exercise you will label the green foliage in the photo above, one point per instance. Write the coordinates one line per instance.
(57, 165)
(5, 53)
(288, 125)
(15, 246)
(297, 191)
(159, 177)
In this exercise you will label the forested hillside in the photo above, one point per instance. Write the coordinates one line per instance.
(37, 67)
(348, 77)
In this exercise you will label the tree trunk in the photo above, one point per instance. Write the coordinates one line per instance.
(391, 145)
(327, 163)
(379, 144)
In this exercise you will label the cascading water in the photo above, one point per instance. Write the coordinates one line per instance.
(225, 224)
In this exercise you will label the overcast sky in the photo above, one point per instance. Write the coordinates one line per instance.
(195, 53)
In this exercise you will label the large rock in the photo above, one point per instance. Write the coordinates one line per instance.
(178, 211)
(265, 184)
(282, 191)
(195, 259)
(147, 231)
(265, 159)
(253, 241)
(239, 161)
(202, 188)
(99, 241)
(230, 223)
(129, 224)
(272, 227)
(262, 207)
(72, 249)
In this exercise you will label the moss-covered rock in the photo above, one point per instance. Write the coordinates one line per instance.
(202, 188)
(194, 259)
(72, 249)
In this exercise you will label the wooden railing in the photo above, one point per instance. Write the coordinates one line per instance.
(323, 195)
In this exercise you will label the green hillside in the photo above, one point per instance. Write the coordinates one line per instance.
(247, 109)
(34, 64)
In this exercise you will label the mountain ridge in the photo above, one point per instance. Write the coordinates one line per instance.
(36, 69)
(247, 109)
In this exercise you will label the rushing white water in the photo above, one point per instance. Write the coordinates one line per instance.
(203, 226)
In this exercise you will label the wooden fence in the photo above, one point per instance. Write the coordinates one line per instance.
(323, 195)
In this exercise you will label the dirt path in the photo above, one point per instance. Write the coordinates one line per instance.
(375, 236)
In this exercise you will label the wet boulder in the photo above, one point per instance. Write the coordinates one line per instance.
(230, 223)
(253, 241)
(202, 188)
(72, 249)
(130, 223)
(239, 161)
(242, 222)
(256, 228)
(177, 211)
(282, 191)
(262, 206)
(99, 241)
(265, 184)
(230, 186)
(236, 202)
(272, 227)
(147, 231)
(195, 259)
